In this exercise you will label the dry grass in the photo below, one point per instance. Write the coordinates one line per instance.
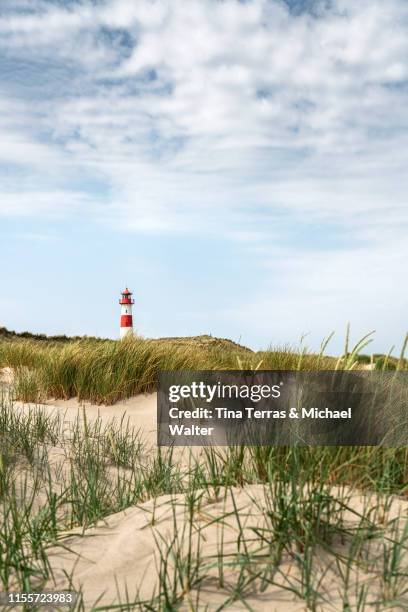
(108, 371)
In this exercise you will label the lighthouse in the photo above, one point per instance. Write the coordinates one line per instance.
(126, 318)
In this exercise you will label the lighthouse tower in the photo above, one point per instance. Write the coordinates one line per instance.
(126, 318)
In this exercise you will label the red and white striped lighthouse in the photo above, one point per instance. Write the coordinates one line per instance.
(126, 318)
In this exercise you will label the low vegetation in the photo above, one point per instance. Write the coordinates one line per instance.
(302, 518)
(106, 371)
(302, 513)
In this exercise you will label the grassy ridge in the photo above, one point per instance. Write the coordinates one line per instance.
(26, 335)
(107, 371)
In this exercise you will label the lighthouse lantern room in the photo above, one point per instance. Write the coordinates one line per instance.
(126, 318)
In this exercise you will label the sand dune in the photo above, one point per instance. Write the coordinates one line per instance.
(140, 411)
(124, 546)
(121, 554)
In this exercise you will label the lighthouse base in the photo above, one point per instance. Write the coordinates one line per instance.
(126, 331)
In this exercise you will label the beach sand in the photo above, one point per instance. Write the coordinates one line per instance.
(121, 553)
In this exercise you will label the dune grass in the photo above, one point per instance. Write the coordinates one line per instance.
(106, 371)
(107, 468)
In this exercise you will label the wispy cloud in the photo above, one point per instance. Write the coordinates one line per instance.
(208, 106)
(246, 119)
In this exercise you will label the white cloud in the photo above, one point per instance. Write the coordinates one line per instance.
(219, 117)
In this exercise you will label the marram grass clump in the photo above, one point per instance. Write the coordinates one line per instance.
(107, 371)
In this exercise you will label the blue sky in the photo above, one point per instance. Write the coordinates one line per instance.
(242, 166)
